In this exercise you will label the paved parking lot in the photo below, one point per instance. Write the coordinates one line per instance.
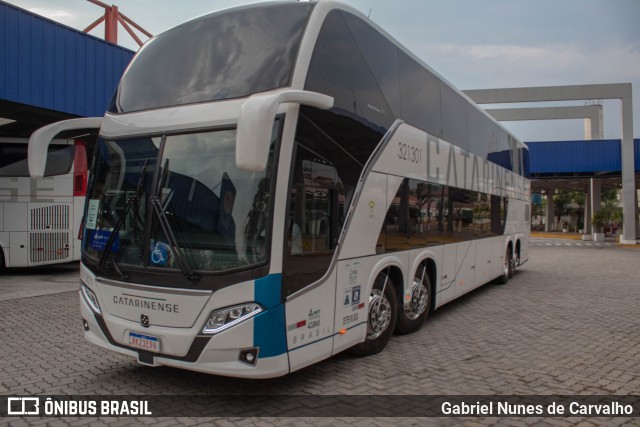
(567, 323)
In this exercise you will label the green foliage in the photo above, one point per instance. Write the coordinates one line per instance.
(599, 220)
(611, 211)
(568, 203)
(609, 196)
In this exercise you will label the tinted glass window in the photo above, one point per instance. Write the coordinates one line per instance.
(423, 214)
(480, 140)
(411, 221)
(13, 160)
(454, 117)
(477, 215)
(219, 56)
(525, 163)
(339, 69)
(420, 95)
(515, 154)
(499, 146)
(382, 58)
(324, 178)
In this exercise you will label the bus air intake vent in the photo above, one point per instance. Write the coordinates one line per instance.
(54, 217)
(49, 246)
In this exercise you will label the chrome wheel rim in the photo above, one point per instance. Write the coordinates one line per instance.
(506, 265)
(379, 314)
(419, 300)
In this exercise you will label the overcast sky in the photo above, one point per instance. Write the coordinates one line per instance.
(474, 44)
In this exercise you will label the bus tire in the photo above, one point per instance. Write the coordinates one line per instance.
(381, 318)
(2, 263)
(411, 318)
(507, 268)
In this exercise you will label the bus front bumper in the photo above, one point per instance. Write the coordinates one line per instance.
(222, 354)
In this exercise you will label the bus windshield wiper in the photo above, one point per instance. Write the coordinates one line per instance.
(156, 205)
(173, 243)
(133, 200)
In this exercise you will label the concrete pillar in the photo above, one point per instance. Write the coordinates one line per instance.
(588, 130)
(629, 190)
(549, 216)
(587, 214)
(637, 218)
(593, 126)
(596, 195)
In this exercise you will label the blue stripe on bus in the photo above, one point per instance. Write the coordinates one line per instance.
(267, 290)
(269, 329)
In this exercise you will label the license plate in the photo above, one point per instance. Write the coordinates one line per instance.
(144, 342)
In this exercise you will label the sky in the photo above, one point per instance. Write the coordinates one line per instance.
(474, 44)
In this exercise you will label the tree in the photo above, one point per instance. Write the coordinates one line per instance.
(610, 210)
(563, 204)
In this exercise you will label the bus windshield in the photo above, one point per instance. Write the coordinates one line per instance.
(219, 56)
(178, 202)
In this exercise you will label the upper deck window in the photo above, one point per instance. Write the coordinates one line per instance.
(374, 82)
(218, 56)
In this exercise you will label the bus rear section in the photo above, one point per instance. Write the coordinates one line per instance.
(40, 219)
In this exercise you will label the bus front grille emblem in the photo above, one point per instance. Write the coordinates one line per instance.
(144, 320)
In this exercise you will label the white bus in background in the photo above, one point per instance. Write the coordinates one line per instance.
(306, 187)
(40, 219)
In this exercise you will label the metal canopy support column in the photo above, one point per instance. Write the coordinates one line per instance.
(621, 91)
(596, 196)
(629, 190)
(549, 214)
(587, 215)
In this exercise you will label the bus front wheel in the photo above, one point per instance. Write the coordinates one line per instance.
(381, 319)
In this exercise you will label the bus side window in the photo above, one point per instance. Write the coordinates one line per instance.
(13, 160)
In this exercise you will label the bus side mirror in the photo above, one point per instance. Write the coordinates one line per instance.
(255, 123)
(40, 139)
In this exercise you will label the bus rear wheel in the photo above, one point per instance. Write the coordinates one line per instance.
(412, 316)
(507, 268)
(381, 319)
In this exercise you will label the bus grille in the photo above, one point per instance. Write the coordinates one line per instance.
(49, 246)
(55, 217)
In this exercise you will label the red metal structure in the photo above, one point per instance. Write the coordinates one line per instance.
(111, 18)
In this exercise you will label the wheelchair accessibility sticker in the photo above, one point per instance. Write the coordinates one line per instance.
(159, 254)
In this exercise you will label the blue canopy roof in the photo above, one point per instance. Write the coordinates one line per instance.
(49, 65)
(571, 158)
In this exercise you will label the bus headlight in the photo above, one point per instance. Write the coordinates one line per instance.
(91, 298)
(224, 318)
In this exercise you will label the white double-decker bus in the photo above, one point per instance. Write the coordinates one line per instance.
(276, 183)
(40, 219)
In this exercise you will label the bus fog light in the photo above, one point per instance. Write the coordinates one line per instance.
(85, 325)
(222, 319)
(249, 356)
(91, 298)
